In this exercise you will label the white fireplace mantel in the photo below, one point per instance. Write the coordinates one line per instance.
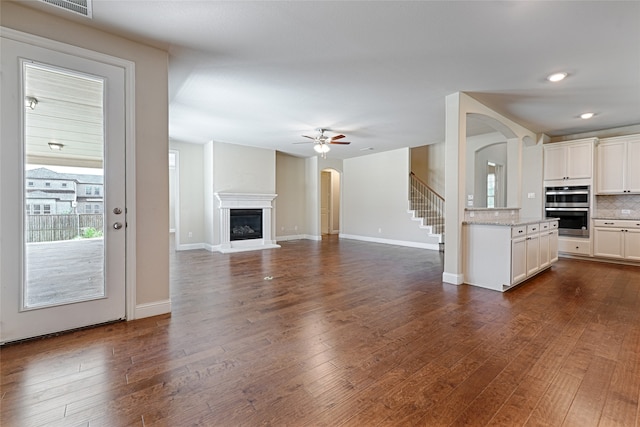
(230, 201)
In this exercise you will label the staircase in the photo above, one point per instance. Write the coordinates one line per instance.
(427, 207)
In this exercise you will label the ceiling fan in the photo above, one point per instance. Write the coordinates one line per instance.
(321, 141)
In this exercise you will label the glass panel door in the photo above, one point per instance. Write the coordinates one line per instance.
(64, 191)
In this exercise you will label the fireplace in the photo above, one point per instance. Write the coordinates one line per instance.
(245, 224)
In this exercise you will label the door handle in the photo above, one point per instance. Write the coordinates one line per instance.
(117, 225)
(117, 211)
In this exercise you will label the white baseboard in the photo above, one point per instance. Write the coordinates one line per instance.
(190, 246)
(452, 278)
(152, 309)
(290, 237)
(311, 237)
(420, 245)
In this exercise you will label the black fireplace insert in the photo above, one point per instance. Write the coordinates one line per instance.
(245, 224)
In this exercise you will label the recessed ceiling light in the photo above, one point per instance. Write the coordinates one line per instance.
(556, 77)
(586, 115)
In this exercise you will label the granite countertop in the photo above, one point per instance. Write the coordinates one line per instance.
(509, 222)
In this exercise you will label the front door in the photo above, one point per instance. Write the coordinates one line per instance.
(62, 176)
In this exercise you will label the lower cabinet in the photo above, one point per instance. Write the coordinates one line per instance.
(617, 239)
(501, 256)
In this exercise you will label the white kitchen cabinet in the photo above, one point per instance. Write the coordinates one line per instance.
(545, 249)
(617, 239)
(533, 249)
(553, 246)
(499, 256)
(617, 165)
(574, 246)
(518, 259)
(566, 161)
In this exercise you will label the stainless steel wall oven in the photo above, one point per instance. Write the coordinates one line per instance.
(572, 205)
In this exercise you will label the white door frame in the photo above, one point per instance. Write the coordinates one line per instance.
(130, 171)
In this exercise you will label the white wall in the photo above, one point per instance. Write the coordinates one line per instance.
(191, 184)
(375, 200)
(291, 221)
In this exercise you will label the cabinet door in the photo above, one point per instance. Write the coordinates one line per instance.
(553, 246)
(533, 254)
(545, 259)
(608, 242)
(632, 244)
(611, 158)
(555, 162)
(633, 169)
(518, 260)
(580, 160)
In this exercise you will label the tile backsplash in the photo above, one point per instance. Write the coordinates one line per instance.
(612, 206)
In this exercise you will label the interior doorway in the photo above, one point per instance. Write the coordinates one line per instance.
(329, 202)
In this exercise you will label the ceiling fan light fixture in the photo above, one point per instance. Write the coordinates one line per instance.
(557, 77)
(321, 148)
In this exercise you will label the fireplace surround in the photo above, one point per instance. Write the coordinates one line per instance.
(246, 237)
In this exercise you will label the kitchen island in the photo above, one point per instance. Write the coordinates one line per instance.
(501, 254)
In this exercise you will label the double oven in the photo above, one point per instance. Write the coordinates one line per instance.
(571, 204)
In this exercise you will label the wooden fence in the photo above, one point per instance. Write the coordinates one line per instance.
(50, 228)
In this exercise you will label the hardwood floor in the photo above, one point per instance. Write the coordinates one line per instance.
(345, 333)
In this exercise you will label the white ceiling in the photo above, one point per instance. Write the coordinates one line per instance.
(264, 73)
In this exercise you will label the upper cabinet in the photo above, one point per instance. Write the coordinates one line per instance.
(618, 161)
(566, 161)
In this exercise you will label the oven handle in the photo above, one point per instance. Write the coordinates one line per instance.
(568, 209)
(567, 193)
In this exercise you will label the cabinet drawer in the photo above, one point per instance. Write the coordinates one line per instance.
(625, 223)
(533, 228)
(544, 226)
(553, 225)
(574, 246)
(518, 231)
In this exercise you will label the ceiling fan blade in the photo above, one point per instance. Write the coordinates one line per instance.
(337, 137)
(304, 142)
(310, 137)
(339, 142)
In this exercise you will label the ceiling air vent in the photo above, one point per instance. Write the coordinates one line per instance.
(81, 7)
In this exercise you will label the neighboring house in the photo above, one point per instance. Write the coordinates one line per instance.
(54, 193)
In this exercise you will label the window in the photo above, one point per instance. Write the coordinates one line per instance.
(96, 191)
(47, 209)
(64, 185)
(491, 185)
(87, 208)
(30, 184)
(37, 209)
(96, 209)
(47, 184)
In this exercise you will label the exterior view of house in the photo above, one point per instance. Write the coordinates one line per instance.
(52, 193)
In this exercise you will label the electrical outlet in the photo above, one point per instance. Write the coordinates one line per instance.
(190, 234)
(531, 195)
(470, 203)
